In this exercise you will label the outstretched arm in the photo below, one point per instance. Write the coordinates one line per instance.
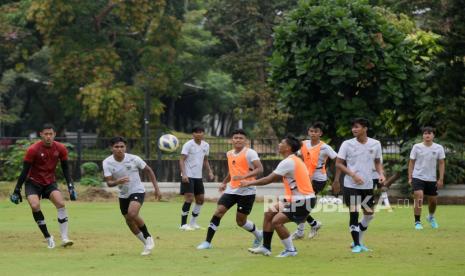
(272, 177)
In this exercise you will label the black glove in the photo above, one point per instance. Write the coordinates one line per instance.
(72, 192)
(16, 197)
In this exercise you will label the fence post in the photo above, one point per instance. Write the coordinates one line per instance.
(79, 155)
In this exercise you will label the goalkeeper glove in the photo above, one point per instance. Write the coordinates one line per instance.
(16, 197)
(72, 192)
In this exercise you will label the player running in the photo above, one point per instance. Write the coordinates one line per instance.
(38, 172)
(122, 169)
(243, 163)
(424, 160)
(298, 202)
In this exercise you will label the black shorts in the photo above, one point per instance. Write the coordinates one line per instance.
(195, 186)
(299, 210)
(244, 202)
(428, 187)
(124, 202)
(354, 197)
(42, 191)
(318, 186)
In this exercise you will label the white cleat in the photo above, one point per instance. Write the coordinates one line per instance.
(297, 235)
(204, 245)
(146, 252)
(314, 230)
(50, 242)
(185, 227)
(66, 243)
(287, 253)
(194, 226)
(149, 243)
(260, 250)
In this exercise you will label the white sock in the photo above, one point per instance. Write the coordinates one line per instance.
(365, 221)
(250, 226)
(288, 244)
(431, 216)
(195, 213)
(140, 236)
(385, 198)
(301, 227)
(63, 222)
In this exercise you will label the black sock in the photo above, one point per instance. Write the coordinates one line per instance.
(185, 212)
(214, 223)
(362, 228)
(417, 219)
(144, 231)
(354, 229)
(311, 220)
(40, 220)
(267, 237)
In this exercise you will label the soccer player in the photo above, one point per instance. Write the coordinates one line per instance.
(38, 172)
(422, 167)
(122, 169)
(298, 202)
(315, 153)
(243, 163)
(356, 159)
(194, 155)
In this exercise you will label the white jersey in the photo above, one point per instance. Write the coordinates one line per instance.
(426, 160)
(251, 156)
(129, 166)
(195, 155)
(360, 159)
(325, 152)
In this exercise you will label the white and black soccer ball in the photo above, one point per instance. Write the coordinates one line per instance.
(168, 143)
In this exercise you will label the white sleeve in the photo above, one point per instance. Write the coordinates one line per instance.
(343, 151)
(284, 167)
(413, 152)
(208, 150)
(185, 149)
(140, 163)
(106, 170)
(330, 152)
(252, 155)
(442, 153)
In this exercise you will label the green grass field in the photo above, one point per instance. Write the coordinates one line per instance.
(104, 245)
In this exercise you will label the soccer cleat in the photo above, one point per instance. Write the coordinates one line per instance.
(204, 245)
(149, 243)
(185, 227)
(194, 226)
(364, 248)
(66, 243)
(314, 230)
(357, 249)
(258, 241)
(50, 242)
(146, 252)
(287, 253)
(297, 235)
(260, 250)
(418, 226)
(433, 222)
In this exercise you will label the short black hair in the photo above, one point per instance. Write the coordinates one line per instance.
(48, 126)
(317, 124)
(198, 129)
(239, 131)
(293, 142)
(118, 139)
(428, 129)
(361, 121)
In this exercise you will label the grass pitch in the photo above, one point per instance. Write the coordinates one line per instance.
(105, 246)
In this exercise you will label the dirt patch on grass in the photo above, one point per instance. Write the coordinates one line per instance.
(93, 194)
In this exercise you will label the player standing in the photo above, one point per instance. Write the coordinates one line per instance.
(194, 155)
(422, 167)
(356, 159)
(122, 169)
(243, 163)
(38, 171)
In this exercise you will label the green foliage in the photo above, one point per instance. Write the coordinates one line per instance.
(90, 174)
(334, 60)
(14, 162)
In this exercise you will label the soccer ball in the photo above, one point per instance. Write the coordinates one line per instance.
(168, 143)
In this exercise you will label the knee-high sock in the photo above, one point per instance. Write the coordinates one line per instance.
(185, 212)
(214, 223)
(267, 237)
(250, 226)
(144, 231)
(40, 220)
(288, 244)
(354, 228)
(363, 225)
(195, 213)
(63, 222)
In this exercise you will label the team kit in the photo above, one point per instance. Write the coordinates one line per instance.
(302, 171)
